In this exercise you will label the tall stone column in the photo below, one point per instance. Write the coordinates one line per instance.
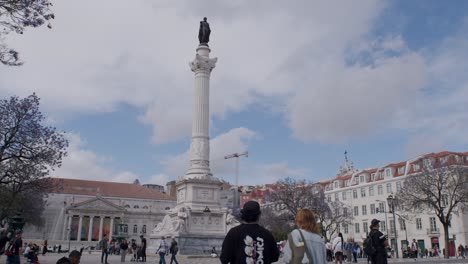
(200, 146)
(80, 226)
(66, 234)
(111, 231)
(90, 230)
(101, 225)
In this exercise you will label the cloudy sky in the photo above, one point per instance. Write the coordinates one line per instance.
(296, 84)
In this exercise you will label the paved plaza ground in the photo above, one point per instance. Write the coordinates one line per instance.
(96, 259)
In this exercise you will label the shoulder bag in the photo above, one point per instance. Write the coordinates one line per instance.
(297, 252)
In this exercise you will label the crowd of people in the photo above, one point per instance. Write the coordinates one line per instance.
(248, 242)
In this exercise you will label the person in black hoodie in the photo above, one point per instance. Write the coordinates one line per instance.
(249, 242)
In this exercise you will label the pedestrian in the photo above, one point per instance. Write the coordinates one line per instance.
(59, 248)
(338, 248)
(143, 248)
(380, 243)
(44, 249)
(328, 245)
(355, 250)
(349, 249)
(305, 237)
(73, 258)
(162, 250)
(104, 244)
(249, 242)
(174, 249)
(14, 248)
(123, 250)
(134, 250)
(414, 249)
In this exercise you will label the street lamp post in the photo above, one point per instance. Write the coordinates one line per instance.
(391, 204)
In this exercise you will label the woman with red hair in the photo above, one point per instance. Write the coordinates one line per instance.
(304, 245)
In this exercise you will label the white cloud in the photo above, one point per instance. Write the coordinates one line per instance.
(81, 163)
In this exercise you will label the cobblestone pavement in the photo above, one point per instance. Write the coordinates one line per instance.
(95, 258)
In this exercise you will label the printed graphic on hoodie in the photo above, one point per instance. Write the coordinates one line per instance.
(254, 250)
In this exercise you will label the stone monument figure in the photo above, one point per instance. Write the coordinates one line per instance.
(204, 32)
(231, 221)
(180, 222)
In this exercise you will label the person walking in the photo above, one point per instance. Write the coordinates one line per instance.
(173, 250)
(143, 248)
(379, 242)
(249, 242)
(104, 244)
(306, 236)
(44, 249)
(338, 248)
(14, 248)
(73, 258)
(162, 250)
(123, 250)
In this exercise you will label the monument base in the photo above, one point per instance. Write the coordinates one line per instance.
(197, 244)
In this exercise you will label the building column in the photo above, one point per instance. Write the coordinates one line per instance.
(80, 223)
(70, 217)
(90, 230)
(111, 231)
(101, 225)
(64, 231)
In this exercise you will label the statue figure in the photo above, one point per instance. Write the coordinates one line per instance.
(164, 225)
(204, 32)
(231, 221)
(179, 223)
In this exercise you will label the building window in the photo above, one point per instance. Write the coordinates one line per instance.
(363, 192)
(383, 226)
(372, 176)
(364, 210)
(381, 207)
(329, 198)
(345, 212)
(398, 186)
(143, 229)
(445, 200)
(389, 187)
(402, 224)
(356, 210)
(136, 207)
(336, 184)
(361, 178)
(355, 194)
(432, 222)
(427, 163)
(418, 224)
(365, 227)
(135, 229)
(356, 228)
(345, 228)
(371, 191)
(372, 208)
(343, 194)
(336, 197)
(401, 170)
(388, 172)
(416, 167)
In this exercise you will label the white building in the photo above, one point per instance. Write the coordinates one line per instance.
(366, 192)
(83, 211)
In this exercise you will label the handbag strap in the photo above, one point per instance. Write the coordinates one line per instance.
(309, 255)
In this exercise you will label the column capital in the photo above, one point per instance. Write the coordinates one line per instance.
(203, 64)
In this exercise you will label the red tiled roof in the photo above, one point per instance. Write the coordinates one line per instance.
(398, 164)
(369, 171)
(106, 189)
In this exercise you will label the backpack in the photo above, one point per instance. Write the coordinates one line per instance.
(368, 244)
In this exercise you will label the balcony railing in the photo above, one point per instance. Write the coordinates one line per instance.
(433, 231)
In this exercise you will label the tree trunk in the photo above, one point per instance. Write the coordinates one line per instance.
(446, 236)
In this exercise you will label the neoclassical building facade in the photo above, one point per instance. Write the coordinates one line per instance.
(365, 193)
(84, 211)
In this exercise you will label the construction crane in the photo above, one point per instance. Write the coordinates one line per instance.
(237, 156)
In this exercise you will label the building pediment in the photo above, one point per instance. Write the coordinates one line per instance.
(97, 204)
